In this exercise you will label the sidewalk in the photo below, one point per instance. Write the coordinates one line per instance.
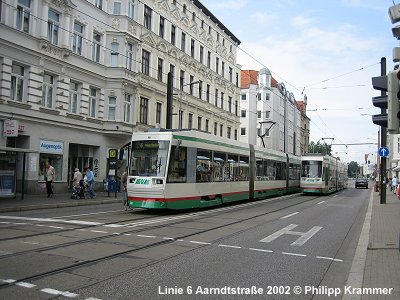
(32, 202)
(382, 266)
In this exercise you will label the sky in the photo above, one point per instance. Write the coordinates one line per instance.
(328, 50)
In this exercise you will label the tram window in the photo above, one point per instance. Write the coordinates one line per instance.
(243, 168)
(270, 169)
(203, 166)
(232, 168)
(294, 172)
(311, 169)
(218, 166)
(149, 158)
(177, 165)
(283, 172)
(259, 169)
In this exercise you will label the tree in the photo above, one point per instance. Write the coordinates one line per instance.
(352, 169)
(319, 148)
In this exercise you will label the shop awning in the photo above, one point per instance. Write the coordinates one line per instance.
(20, 150)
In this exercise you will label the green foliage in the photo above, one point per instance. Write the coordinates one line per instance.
(352, 169)
(319, 148)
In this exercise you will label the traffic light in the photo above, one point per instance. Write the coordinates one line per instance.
(393, 101)
(390, 84)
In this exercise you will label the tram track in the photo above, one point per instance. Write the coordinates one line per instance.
(131, 251)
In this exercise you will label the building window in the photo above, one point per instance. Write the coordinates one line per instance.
(190, 121)
(243, 97)
(236, 108)
(94, 94)
(209, 30)
(184, 8)
(259, 96)
(236, 135)
(160, 69)
(147, 17)
(237, 79)
(207, 125)
(208, 93)
(202, 24)
(183, 42)
(217, 37)
(172, 70)
(17, 82)
(216, 64)
(48, 91)
(98, 3)
(215, 128)
(144, 107)
(222, 100)
(158, 113)
(77, 39)
(242, 131)
(216, 97)
(192, 47)
(161, 29)
(112, 107)
(201, 54)
(96, 47)
(131, 9)
(221, 129)
(173, 35)
(228, 132)
(23, 15)
(200, 89)
(199, 120)
(117, 8)
(266, 96)
(180, 118)
(208, 59)
(146, 62)
(53, 25)
(191, 79)
(73, 97)
(129, 56)
(243, 113)
(194, 17)
(114, 54)
(127, 108)
(230, 74)
(181, 80)
(267, 114)
(223, 69)
(259, 114)
(230, 104)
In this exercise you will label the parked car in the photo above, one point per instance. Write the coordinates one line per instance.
(361, 182)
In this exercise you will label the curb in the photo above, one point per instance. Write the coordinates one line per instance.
(356, 275)
(57, 205)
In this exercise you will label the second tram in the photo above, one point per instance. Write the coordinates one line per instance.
(322, 174)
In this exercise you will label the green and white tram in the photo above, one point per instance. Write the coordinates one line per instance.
(322, 174)
(190, 169)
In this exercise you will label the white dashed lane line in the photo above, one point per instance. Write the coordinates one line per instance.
(288, 216)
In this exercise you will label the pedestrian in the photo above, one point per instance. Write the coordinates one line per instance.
(90, 181)
(124, 180)
(77, 178)
(50, 178)
(395, 182)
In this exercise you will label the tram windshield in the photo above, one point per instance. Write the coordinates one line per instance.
(311, 169)
(149, 158)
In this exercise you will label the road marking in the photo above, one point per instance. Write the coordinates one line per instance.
(30, 243)
(26, 284)
(146, 236)
(56, 227)
(4, 252)
(329, 258)
(99, 231)
(195, 242)
(262, 250)
(304, 236)
(288, 216)
(76, 222)
(320, 202)
(168, 238)
(294, 254)
(89, 214)
(57, 292)
(8, 280)
(229, 246)
(114, 225)
(5, 222)
(341, 205)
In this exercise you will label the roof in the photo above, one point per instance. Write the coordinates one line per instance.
(248, 77)
(216, 21)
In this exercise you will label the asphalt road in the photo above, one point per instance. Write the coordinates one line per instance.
(272, 249)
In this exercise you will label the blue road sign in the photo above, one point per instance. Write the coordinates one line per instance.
(383, 151)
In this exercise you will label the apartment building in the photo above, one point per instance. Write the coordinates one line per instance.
(78, 78)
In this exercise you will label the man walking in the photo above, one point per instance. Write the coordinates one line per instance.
(50, 177)
(90, 180)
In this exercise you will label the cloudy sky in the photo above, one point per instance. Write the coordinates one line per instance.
(330, 49)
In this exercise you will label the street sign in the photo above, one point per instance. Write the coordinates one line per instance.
(383, 151)
(112, 153)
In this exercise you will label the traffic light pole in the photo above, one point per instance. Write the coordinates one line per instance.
(382, 181)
